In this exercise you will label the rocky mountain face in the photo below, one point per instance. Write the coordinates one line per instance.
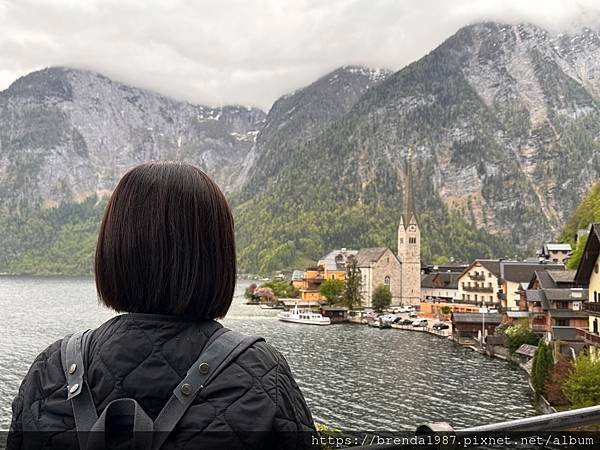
(67, 134)
(296, 118)
(503, 123)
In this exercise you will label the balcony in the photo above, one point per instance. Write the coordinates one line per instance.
(589, 338)
(477, 276)
(478, 289)
(593, 307)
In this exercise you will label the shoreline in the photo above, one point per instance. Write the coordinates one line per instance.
(541, 403)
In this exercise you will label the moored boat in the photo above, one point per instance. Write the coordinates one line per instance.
(270, 306)
(306, 317)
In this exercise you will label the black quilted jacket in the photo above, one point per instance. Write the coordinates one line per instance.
(253, 403)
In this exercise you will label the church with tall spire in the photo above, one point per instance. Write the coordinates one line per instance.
(399, 271)
(409, 243)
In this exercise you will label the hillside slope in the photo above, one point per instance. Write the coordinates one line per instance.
(504, 126)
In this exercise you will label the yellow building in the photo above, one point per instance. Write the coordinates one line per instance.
(331, 267)
(334, 263)
(431, 309)
(588, 273)
(310, 283)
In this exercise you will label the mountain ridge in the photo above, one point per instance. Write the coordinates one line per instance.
(501, 119)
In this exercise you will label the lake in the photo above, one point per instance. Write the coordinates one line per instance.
(353, 377)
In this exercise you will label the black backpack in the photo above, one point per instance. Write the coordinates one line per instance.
(222, 348)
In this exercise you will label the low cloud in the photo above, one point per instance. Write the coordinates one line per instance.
(247, 52)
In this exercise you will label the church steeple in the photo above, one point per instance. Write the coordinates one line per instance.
(409, 242)
(409, 196)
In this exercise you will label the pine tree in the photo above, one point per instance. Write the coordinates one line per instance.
(541, 367)
(352, 294)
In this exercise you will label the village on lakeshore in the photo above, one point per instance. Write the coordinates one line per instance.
(522, 311)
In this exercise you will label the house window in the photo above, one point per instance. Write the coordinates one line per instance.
(595, 327)
(562, 322)
(402, 240)
(386, 281)
(412, 240)
(491, 299)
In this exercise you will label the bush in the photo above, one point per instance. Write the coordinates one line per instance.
(332, 290)
(281, 288)
(517, 335)
(582, 386)
(382, 298)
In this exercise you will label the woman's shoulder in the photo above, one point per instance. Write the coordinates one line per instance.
(260, 356)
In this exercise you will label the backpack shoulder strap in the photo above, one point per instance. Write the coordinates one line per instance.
(72, 349)
(220, 351)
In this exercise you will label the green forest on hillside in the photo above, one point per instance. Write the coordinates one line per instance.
(61, 240)
(587, 212)
(53, 241)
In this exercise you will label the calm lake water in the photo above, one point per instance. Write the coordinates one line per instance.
(353, 377)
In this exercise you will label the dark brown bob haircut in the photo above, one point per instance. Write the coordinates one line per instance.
(166, 244)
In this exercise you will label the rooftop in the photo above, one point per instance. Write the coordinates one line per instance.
(526, 350)
(366, 256)
(336, 259)
(557, 247)
(476, 318)
(515, 271)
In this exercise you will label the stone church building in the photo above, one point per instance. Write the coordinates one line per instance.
(400, 272)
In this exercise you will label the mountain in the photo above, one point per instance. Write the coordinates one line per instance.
(54, 149)
(298, 117)
(503, 123)
(67, 134)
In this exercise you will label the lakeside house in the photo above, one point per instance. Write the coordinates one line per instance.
(439, 292)
(470, 325)
(497, 282)
(556, 252)
(588, 274)
(308, 282)
(554, 303)
(336, 314)
(439, 286)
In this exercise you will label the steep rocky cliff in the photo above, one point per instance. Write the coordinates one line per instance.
(67, 134)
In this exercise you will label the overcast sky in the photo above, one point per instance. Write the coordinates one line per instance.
(246, 51)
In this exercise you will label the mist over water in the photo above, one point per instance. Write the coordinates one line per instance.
(353, 377)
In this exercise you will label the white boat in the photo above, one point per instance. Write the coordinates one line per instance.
(268, 306)
(304, 316)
